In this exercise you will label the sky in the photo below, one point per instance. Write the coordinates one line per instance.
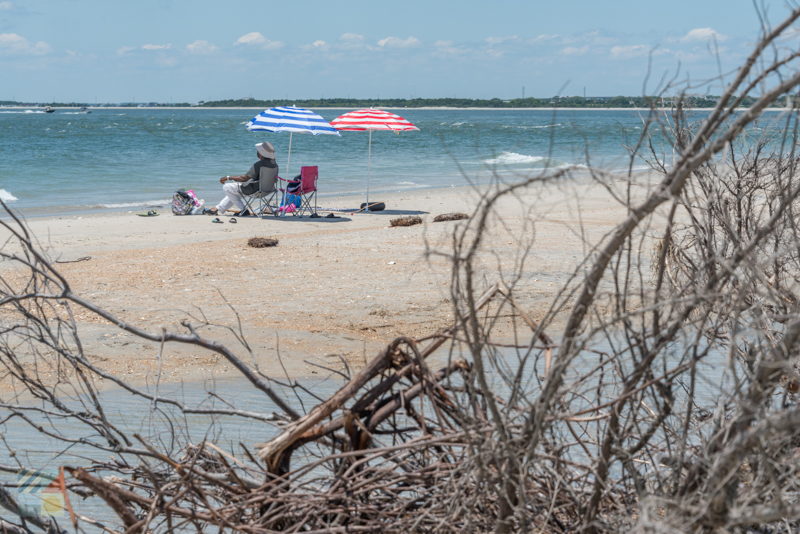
(106, 51)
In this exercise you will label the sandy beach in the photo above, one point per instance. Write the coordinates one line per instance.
(333, 290)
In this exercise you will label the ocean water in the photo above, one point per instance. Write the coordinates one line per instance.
(127, 159)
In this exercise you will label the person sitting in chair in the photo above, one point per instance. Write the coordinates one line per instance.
(235, 187)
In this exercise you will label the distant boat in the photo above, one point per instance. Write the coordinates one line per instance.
(84, 109)
(49, 109)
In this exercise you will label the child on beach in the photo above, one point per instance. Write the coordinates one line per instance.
(291, 201)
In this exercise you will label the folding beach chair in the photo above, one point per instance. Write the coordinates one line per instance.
(305, 188)
(266, 194)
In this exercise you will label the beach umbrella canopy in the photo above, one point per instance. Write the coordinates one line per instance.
(370, 120)
(293, 120)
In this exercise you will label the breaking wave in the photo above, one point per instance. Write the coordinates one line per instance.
(512, 158)
(5, 196)
(133, 204)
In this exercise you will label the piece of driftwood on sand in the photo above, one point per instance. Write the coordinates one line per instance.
(261, 242)
(409, 220)
(450, 217)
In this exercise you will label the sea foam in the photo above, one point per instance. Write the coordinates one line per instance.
(131, 204)
(512, 158)
(5, 196)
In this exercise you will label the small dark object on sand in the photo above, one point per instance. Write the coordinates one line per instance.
(261, 242)
(373, 206)
(450, 217)
(83, 258)
(406, 221)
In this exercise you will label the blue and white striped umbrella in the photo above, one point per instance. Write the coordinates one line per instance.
(293, 120)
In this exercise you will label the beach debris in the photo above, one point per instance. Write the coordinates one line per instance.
(82, 258)
(450, 217)
(372, 206)
(261, 242)
(411, 220)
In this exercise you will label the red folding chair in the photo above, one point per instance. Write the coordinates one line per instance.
(305, 188)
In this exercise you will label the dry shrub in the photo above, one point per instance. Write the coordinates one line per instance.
(411, 220)
(450, 217)
(658, 408)
(261, 242)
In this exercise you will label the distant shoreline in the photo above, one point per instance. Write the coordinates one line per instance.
(432, 108)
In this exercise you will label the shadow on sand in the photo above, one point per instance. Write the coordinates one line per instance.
(321, 219)
(383, 212)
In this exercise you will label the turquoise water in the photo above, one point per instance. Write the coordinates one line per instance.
(109, 159)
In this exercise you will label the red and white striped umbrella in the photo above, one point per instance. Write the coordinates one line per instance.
(370, 120)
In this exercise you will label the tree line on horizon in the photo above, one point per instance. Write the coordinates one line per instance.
(530, 102)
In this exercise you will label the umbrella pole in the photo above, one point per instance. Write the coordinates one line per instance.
(369, 165)
(289, 158)
(288, 166)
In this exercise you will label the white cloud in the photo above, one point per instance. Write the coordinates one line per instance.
(149, 47)
(702, 34)
(596, 38)
(789, 33)
(544, 37)
(6, 6)
(574, 50)
(252, 38)
(396, 42)
(501, 40)
(13, 43)
(201, 47)
(351, 37)
(256, 39)
(156, 47)
(447, 47)
(624, 52)
(352, 42)
(319, 46)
